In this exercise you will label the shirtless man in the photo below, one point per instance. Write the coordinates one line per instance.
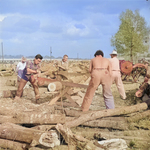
(100, 69)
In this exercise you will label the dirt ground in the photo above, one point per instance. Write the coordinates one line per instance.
(137, 136)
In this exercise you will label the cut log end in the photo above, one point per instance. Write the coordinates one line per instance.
(54, 86)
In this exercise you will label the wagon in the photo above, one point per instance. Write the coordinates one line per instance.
(130, 71)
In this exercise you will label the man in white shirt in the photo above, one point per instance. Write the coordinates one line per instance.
(116, 75)
(19, 69)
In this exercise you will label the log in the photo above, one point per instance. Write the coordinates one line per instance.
(54, 86)
(44, 127)
(31, 108)
(128, 135)
(6, 73)
(74, 84)
(33, 137)
(11, 82)
(73, 113)
(75, 140)
(35, 118)
(9, 93)
(116, 123)
(45, 81)
(39, 118)
(35, 148)
(4, 119)
(105, 113)
(138, 116)
(110, 123)
(7, 144)
(66, 104)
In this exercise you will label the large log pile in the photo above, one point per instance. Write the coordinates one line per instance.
(50, 121)
(52, 125)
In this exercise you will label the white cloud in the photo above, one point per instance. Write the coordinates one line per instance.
(75, 26)
(2, 17)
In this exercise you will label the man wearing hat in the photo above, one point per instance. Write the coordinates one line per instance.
(116, 75)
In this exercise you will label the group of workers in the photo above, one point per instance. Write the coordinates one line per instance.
(103, 71)
(26, 70)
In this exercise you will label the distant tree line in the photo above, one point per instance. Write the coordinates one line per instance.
(19, 57)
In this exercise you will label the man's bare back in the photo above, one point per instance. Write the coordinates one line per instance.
(100, 69)
(100, 62)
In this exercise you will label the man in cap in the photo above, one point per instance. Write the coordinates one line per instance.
(32, 68)
(116, 75)
(100, 69)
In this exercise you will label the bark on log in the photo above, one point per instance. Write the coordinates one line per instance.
(54, 86)
(139, 116)
(40, 118)
(33, 137)
(74, 113)
(66, 104)
(105, 113)
(119, 124)
(76, 140)
(35, 148)
(11, 110)
(43, 127)
(45, 81)
(34, 118)
(4, 119)
(121, 135)
(7, 144)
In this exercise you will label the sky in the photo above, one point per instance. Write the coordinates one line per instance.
(77, 28)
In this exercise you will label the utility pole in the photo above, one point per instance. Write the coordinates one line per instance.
(2, 51)
(50, 52)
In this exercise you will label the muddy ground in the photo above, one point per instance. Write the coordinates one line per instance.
(137, 135)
